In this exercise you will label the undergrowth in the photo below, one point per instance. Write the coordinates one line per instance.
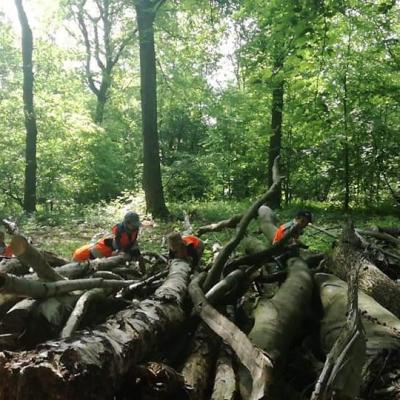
(63, 230)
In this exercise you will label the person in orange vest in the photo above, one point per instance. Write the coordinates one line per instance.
(5, 250)
(301, 220)
(123, 239)
(188, 247)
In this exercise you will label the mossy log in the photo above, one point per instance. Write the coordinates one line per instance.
(380, 378)
(278, 321)
(372, 280)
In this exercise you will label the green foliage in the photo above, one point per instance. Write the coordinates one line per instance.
(214, 140)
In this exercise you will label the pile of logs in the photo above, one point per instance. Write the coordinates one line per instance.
(322, 327)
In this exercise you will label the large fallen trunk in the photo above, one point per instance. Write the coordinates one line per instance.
(372, 280)
(278, 321)
(32, 321)
(199, 366)
(380, 375)
(96, 360)
(341, 374)
(268, 222)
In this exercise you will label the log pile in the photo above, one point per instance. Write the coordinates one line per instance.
(98, 330)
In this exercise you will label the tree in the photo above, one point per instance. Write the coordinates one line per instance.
(146, 11)
(29, 111)
(106, 34)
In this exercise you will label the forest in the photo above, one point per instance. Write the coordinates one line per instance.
(265, 131)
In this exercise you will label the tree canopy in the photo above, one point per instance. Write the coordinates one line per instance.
(218, 64)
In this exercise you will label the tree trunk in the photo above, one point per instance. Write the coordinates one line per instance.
(91, 364)
(29, 111)
(276, 128)
(382, 331)
(152, 181)
(371, 280)
(199, 366)
(277, 321)
(255, 363)
(101, 96)
(225, 379)
(28, 255)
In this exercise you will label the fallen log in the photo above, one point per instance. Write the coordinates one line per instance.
(33, 321)
(39, 289)
(225, 379)
(380, 236)
(79, 311)
(268, 222)
(154, 381)
(341, 374)
(96, 360)
(380, 375)
(199, 366)
(372, 280)
(391, 231)
(216, 269)
(28, 255)
(277, 321)
(219, 226)
(254, 361)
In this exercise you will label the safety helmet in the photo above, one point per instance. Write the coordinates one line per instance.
(131, 218)
(305, 214)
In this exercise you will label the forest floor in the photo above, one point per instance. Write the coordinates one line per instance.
(62, 231)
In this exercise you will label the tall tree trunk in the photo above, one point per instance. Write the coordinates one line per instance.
(276, 128)
(346, 148)
(151, 158)
(29, 112)
(102, 98)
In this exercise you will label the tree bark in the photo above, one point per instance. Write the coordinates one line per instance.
(382, 331)
(34, 321)
(199, 366)
(40, 289)
(256, 363)
(371, 280)
(277, 321)
(225, 379)
(96, 360)
(275, 139)
(152, 181)
(29, 111)
(341, 374)
(219, 226)
(28, 255)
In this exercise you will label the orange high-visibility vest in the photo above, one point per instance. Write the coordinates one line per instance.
(124, 240)
(191, 239)
(90, 251)
(280, 232)
(7, 252)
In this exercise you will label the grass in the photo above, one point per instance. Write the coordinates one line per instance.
(62, 231)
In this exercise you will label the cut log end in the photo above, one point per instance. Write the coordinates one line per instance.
(19, 245)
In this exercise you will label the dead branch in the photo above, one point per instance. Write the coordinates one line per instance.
(257, 363)
(215, 271)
